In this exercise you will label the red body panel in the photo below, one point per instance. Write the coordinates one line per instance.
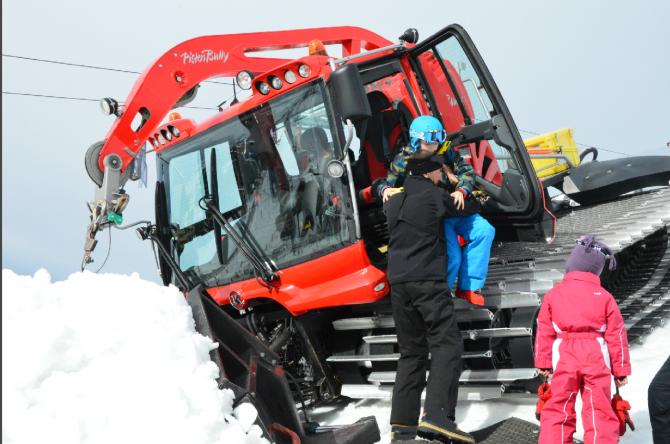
(344, 277)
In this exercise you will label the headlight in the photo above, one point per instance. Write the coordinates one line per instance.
(304, 70)
(276, 82)
(289, 76)
(174, 130)
(335, 168)
(263, 88)
(165, 133)
(244, 79)
(109, 106)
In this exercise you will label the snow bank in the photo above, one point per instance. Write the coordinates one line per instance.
(646, 359)
(106, 359)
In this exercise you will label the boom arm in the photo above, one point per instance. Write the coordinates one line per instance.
(169, 79)
(189, 63)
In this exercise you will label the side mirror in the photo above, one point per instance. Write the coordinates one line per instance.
(347, 90)
(411, 35)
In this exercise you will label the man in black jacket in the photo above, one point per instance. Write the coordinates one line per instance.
(423, 308)
(659, 404)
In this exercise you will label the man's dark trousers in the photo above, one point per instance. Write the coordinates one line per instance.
(659, 404)
(425, 322)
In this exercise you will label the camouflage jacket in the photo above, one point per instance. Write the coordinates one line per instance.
(462, 169)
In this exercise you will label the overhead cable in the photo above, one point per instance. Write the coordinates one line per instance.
(46, 96)
(79, 65)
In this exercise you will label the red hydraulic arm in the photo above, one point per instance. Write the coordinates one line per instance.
(190, 62)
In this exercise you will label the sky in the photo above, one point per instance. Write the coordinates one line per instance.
(600, 67)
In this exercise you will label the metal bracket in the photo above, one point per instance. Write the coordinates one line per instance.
(109, 198)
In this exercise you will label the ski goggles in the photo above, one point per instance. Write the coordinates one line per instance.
(589, 242)
(604, 250)
(438, 136)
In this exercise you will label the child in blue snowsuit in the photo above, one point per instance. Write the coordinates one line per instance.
(470, 263)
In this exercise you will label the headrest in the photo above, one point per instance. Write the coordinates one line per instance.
(314, 139)
(378, 101)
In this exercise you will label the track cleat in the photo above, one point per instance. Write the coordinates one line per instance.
(445, 431)
(474, 297)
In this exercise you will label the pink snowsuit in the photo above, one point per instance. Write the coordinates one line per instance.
(581, 335)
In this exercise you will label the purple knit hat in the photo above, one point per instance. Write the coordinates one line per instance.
(590, 255)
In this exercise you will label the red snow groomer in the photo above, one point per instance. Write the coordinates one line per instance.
(259, 208)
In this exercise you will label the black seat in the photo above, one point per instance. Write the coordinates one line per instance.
(376, 133)
(315, 142)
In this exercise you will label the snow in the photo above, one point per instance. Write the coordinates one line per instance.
(646, 360)
(106, 359)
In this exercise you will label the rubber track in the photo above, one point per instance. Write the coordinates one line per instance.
(637, 229)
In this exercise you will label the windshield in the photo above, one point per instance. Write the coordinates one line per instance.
(271, 182)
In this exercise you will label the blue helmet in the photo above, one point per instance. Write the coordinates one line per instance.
(426, 128)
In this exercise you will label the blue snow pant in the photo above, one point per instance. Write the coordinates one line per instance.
(470, 263)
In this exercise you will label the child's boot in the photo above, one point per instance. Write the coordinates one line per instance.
(474, 297)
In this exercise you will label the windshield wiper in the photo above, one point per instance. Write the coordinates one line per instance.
(260, 261)
(264, 267)
(215, 194)
(149, 232)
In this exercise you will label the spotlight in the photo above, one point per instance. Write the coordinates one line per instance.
(244, 79)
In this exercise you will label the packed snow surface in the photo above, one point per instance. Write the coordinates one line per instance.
(110, 359)
(646, 360)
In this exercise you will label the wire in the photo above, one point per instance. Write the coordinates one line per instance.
(79, 65)
(46, 96)
(109, 249)
(134, 224)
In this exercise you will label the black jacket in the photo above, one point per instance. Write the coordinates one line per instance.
(416, 245)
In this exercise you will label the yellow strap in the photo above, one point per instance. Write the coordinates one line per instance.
(445, 146)
(446, 432)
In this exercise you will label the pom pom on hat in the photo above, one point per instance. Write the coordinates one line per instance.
(590, 255)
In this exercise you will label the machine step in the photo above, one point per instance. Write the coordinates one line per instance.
(466, 334)
(390, 357)
(513, 299)
(505, 375)
(511, 285)
(465, 313)
(465, 392)
(525, 273)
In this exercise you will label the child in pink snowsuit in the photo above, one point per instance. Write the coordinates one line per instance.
(582, 337)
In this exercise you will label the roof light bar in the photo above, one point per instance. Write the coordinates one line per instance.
(289, 76)
(263, 88)
(304, 70)
(275, 82)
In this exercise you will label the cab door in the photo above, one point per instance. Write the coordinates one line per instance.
(460, 91)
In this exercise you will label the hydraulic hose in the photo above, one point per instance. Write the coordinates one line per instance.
(588, 151)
